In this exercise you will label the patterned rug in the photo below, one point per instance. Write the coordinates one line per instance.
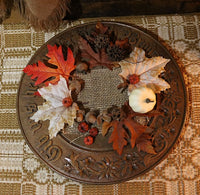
(21, 172)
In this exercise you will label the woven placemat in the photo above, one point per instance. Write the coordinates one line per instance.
(21, 172)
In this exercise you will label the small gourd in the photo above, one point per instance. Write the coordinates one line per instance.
(142, 99)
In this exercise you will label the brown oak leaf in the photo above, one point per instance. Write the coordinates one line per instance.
(94, 59)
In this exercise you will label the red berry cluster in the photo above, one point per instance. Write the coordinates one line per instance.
(93, 132)
(88, 140)
(83, 127)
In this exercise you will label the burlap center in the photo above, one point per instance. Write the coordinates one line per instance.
(100, 90)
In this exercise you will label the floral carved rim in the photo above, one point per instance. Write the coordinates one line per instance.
(85, 165)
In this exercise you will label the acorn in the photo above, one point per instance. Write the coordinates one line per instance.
(81, 67)
(91, 117)
(75, 85)
(99, 119)
(80, 116)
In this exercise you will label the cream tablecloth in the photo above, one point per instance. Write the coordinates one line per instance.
(21, 172)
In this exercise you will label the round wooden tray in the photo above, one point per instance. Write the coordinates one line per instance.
(99, 163)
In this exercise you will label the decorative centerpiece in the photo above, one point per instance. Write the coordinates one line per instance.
(101, 103)
(58, 80)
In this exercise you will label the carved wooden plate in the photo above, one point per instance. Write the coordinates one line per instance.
(99, 163)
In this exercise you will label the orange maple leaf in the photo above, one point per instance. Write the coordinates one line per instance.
(46, 74)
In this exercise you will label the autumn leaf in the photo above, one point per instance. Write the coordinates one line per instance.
(55, 108)
(105, 127)
(144, 143)
(94, 59)
(46, 74)
(120, 136)
(140, 71)
(128, 130)
(135, 129)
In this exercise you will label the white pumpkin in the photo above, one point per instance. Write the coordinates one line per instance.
(142, 99)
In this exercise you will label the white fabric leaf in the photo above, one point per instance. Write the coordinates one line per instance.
(148, 69)
(53, 109)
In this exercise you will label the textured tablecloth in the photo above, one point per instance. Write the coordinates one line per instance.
(21, 172)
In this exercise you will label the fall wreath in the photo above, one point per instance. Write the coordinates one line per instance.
(60, 82)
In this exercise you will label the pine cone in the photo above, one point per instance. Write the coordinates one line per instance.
(101, 41)
(116, 53)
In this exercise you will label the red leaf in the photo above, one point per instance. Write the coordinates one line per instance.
(93, 58)
(144, 143)
(43, 72)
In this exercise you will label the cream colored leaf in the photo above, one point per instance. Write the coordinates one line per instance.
(138, 55)
(148, 70)
(53, 109)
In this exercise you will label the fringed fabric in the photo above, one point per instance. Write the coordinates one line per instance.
(49, 22)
